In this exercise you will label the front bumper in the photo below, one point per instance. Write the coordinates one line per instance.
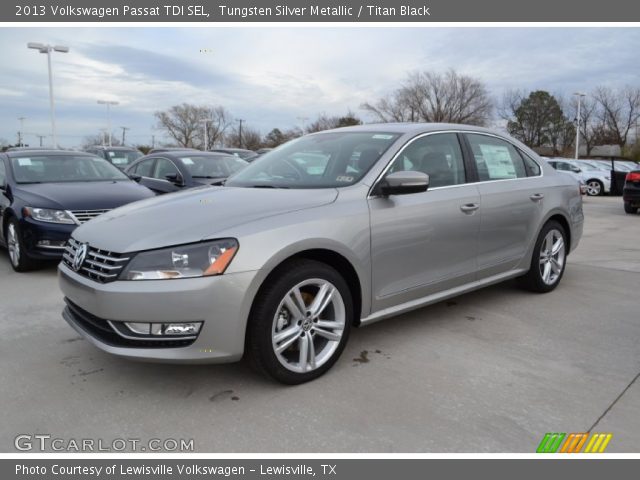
(222, 303)
(34, 232)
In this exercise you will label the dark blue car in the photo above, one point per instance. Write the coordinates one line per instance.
(46, 194)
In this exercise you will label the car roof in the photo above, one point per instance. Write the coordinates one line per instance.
(47, 152)
(106, 147)
(416, 128)
(181, 153)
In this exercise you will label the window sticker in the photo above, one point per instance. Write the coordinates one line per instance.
(112, 154)
(344, 178)
(187, 161)
(380, 136)
(24, 162)
(498, 161)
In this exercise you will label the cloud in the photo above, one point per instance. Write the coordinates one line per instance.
(273, 76)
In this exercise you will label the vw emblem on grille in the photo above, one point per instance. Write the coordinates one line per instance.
(79, 256)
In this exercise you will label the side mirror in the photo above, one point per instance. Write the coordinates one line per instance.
(175, 178)
(403, 182)
(135, 177)
(576, 170)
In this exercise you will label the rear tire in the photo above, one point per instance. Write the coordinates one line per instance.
(16, 249)
(300, 322)
(548, 261)
(629, 209)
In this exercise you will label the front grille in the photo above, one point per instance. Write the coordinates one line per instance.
(83, 216)
(100, 265)
(104, 331)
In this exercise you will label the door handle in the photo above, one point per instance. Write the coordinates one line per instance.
(536, 197)
(469, 208)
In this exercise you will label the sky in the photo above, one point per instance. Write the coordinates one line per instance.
(277, 76)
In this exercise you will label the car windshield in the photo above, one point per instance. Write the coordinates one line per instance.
(64, 168)
(122, 158)
(323, 160)
(213, 166)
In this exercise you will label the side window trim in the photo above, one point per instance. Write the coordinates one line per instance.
(152, 161)
(155, 166)
(526, 165)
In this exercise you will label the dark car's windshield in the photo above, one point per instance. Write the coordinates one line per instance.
(122, 158)
(63, 168)
(212, 166)
(324, 160)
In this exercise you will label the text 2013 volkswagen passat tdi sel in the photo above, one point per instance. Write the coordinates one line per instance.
(329, 231)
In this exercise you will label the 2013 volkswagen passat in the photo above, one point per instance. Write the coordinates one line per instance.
(329, 231)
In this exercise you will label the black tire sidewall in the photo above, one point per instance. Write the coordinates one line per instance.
(259, 342)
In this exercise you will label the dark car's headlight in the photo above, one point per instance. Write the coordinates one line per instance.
(48, 215)
(183, 261)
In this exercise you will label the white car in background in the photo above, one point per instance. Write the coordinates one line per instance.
(598, 182)
(571, 173)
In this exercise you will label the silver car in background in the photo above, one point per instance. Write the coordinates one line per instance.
(329, 231)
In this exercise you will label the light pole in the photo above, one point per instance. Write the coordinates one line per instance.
(205, 122)
(21, 132)
(579, 95)
(124, 129)
(240, 131)
(108, 103)
(42, 48)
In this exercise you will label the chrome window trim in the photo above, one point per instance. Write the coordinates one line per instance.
(155, 166)
(435, 132)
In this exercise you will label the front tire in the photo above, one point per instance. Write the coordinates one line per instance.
(300, 322)
(595, 188)
(15, 246)
(549, 259)
(629, 209)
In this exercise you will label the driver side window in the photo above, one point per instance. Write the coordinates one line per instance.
(438, 155)
(163, 168)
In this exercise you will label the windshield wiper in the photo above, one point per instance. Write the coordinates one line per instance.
(267, 186)
(207, 176)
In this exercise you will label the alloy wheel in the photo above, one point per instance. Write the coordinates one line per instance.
(308, 325)
(13, 245)
(593, 188)
(552, 257)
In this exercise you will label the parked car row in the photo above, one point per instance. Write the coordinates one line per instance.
(597, 180)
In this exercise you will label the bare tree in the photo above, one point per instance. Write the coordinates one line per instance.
(325, 122)
(184, 124)
(100, 139)
(618, 112)
(436, 97)
(251, 138)
(590, 129)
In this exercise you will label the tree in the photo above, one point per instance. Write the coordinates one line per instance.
(277, 137)
(618, 112)
(537, 120)
(251, 138)
(101, 138)
(591, 132)
(325, 122)
(184, 124)
(435, 97)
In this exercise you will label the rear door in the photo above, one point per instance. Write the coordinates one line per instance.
(423, 243)
(512, 197)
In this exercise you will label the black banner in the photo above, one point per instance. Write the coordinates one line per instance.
(426, 11)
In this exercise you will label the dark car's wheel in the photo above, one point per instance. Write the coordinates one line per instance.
(15, 246)
(300, 322)
(548, 260)
(629, 209)
(595, 188)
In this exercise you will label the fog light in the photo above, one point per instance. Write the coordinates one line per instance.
(51, 243)
(139, 328)
(181, 328)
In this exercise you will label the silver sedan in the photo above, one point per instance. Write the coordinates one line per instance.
(329, 231)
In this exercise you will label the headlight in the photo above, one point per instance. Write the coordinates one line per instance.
(183, 261)
(48, 215)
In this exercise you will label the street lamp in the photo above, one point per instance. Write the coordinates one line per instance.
(108, 103)
(240, 131)
(205, 121)
(42, 48)
(579, 95)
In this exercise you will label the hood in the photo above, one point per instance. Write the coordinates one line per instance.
(193, 215)
(81, 195)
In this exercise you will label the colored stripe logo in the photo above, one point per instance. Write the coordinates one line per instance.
(574, 442)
